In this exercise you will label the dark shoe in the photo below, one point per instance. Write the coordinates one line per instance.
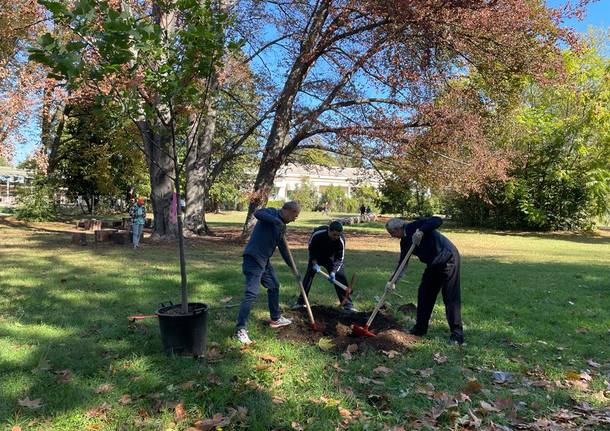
(416, 331)
(456, 339)
(297, 306)
(349, 308)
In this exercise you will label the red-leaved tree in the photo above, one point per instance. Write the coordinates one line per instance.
(373, 78)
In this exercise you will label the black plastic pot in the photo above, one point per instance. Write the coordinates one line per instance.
(184, 334)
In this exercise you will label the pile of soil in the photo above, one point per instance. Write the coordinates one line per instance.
(336, 324)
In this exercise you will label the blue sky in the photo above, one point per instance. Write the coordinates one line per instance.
(598, 15)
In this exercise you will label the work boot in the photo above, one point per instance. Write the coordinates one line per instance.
(297, 306)
(282, 321)
(349, 308)
(417, 331)
(457, 339)
(242, 336)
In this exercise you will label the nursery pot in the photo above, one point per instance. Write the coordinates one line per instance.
(184, 334)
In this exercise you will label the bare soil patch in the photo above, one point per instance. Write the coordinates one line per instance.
(336, 325)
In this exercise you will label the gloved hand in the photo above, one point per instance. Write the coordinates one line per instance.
(417, 237)
(331, 278)
(389, 286)
(316, 267)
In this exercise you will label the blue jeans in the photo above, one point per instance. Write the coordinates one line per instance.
(255, 276)
(137, 233)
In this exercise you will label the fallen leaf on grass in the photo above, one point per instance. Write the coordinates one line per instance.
(277, 400)
(382, 370)
(179, 412)
(347, 356)
(427, 372)
(99, 411)
(338, 368)
(214, 379)
(499, 377)
(16, 428)
(64, 376)
(488, 407)
(260, 367)
(503, 403)
(439, 359)
(125, 399)
(187, 385)
(427, 389)
(582, 330)
(366, 381)
(325, 344)
(226, 299)
(30, 404)
(390, 353)
(217, 421)
(352, 348)
(593, 364)
(268, 358)
(213, 354)
(473, 386)
(345, 413)
(296, 426)
(103, 388)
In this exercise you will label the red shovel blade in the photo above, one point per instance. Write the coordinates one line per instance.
(315, 327)
(362, 331)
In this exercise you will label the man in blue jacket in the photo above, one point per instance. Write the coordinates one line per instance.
(267, 235)
(442, 272)
(326, 249)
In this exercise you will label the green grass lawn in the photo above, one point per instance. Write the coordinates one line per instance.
(534, 307)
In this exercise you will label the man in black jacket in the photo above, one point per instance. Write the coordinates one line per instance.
(442, 272)
(327, 249)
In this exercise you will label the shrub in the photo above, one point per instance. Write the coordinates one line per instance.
(36, 203)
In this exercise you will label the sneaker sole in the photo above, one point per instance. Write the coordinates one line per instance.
(277, 325)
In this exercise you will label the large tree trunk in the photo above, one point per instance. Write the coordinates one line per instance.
(52, 123)
(274, 154)
(197, 174)
(160, 165)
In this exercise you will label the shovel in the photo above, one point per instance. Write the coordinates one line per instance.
(347, 289)
(363, 331)
(313, 325)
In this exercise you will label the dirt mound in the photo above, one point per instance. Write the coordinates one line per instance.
(336, 325)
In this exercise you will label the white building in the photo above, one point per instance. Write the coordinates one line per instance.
(292, 176)
(10, 178)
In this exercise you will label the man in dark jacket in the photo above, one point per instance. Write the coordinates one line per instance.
(267, 235)
(442, 272)
(326, 249)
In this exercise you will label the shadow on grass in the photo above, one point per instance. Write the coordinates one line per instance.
(67, 306)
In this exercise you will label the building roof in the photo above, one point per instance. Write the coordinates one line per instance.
(317, 171)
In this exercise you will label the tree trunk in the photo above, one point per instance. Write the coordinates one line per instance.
(160, 165)
(197, 172)
(271, 162)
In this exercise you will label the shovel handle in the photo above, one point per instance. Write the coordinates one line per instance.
(392, 280)
(338, 283)
(293, 267)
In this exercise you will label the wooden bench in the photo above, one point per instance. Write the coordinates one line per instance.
(82, 238)
(103, 235)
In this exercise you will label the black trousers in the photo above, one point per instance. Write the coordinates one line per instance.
(446, 279)
(339, 276)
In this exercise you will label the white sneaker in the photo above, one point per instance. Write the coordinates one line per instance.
(282, 321)
(242, 336)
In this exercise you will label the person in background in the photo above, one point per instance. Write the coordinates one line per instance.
(138, 217)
